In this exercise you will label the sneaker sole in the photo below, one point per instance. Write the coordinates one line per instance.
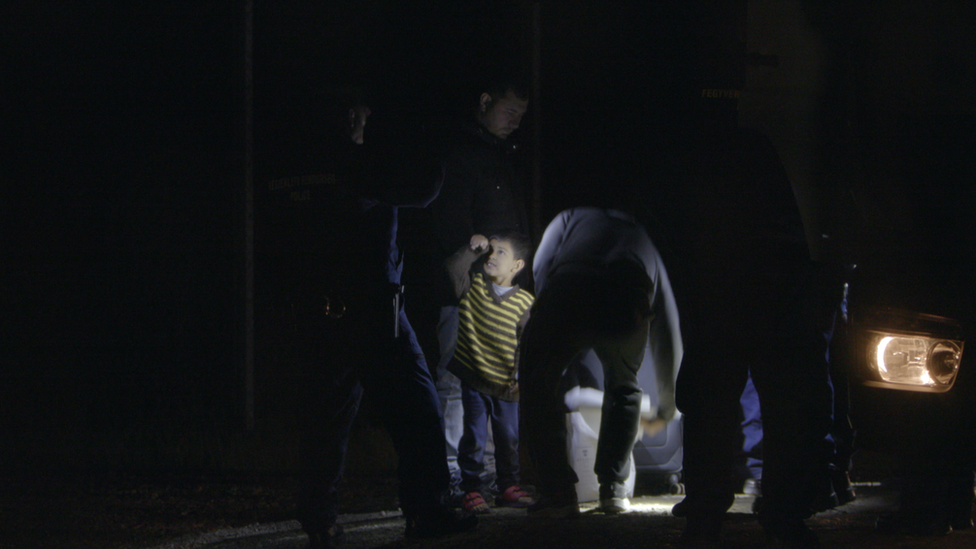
(615, 506)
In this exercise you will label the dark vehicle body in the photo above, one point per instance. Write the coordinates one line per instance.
(885, 179)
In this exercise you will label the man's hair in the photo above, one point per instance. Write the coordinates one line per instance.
(337, 100)
(499, 85)
(521, 244)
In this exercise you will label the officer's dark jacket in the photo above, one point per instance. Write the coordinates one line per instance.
(329, 225)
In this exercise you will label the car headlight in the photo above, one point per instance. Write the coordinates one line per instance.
(906, 350)
(912, 362)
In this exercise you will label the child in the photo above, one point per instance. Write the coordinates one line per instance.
(492, 313)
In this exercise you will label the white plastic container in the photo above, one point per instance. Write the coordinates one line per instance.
(583, 428)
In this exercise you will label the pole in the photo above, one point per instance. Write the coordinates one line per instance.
(249, 214)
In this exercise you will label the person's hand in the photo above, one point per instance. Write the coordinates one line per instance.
(652, 427)
(479, 243)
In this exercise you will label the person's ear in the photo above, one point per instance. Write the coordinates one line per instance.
(519, 263)
(485, 101)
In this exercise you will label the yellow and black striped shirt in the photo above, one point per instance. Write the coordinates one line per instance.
(489, 326)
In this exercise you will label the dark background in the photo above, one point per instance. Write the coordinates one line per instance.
(123, 228)
(122, 331)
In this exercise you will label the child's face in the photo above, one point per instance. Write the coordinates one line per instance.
(501, 265)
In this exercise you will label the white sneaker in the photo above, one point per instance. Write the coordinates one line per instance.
(615, 506)
(613, 498)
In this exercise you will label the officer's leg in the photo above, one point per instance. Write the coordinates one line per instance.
(792, 378)
(400, 383)
(708, 389)
(332, 408)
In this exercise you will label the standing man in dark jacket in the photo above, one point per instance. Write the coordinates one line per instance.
(482, 193)
(366, 341)
(751, 300)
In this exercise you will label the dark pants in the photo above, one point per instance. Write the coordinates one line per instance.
(504, 416)
(841, 430)
(574, 313)
(774, 330)
(332, 406)
(394, 374)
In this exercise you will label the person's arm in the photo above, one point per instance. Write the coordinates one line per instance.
(665, 341)
(406, 179)
(459, 264)
(451, 221)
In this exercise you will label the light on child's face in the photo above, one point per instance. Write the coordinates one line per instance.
(500, 259)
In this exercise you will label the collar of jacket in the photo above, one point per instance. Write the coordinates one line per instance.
(481, 133)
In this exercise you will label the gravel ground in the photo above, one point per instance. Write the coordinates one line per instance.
(651, 525)
(110, 511)
(114, 511)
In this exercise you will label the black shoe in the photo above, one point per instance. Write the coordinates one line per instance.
(842, 486)
(959, 502)
(327, 539)
(438, 523)
(789, 534)
(825, 497)
(701, 532)
(961, 521)
(960, 514)
(824, 502)
(560, 505)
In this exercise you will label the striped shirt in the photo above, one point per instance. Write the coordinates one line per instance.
(489, 326)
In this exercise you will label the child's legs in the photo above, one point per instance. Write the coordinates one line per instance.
(471, 448)
(505, 430)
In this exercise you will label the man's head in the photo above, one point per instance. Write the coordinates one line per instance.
(501, 107)
(347, 107)
(510, 251)
(356, 122)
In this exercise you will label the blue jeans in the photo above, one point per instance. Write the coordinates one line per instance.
(752, 430)
(449, 395)
(479, 408)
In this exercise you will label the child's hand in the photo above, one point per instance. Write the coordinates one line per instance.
(479, 243)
